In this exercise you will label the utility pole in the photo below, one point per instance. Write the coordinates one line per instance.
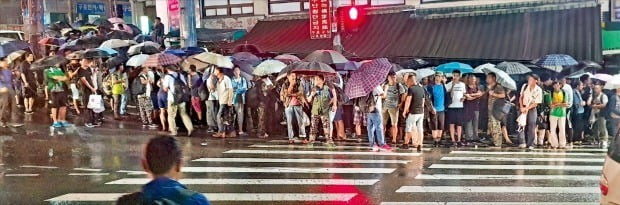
(337, 41)
(32, 11)
(70, 14)
(188, 25)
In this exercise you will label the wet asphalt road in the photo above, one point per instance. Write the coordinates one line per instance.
(78, 165)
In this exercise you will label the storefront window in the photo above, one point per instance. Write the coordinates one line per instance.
(218, 8)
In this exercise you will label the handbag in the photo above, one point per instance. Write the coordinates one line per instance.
(95, 103)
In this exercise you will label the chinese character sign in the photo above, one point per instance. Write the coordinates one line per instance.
(174, 14)
(320, 19)
(91, 8)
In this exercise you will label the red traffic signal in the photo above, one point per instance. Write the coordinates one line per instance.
(351, 18)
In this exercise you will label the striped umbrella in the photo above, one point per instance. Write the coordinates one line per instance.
(555, 62)
(513, 68)
(161, 59)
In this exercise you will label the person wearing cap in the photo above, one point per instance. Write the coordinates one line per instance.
(437, 91)
(394, 92)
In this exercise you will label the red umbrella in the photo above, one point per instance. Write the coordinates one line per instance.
(161, 59)
(370, 75)
(51, 41)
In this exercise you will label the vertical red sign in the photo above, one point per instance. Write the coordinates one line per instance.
(174, 14)
(320, 19)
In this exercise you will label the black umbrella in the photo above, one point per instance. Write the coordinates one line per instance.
(94, 53)
(135, 30)
(49, 62)
(101, 22)
(115, 34)
(415, 64)
(12, 46)
(90, 41)
(142, 38)
(115, 62)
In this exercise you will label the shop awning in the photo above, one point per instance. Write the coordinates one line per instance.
(516, 35)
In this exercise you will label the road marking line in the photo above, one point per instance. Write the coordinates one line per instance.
(21, 175)
(313, 170)
(87, 169)
(578, 150)
(356, 182)
(94, 197)
(528, 153)
(508, 159)
(515, 166)
(89, 174)
(315, 146)
(278, 160)
(255, 151)
(511, 177)
(40, 167)
(497, 189)
(489, 203)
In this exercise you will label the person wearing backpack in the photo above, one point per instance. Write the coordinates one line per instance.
(177, 90)
(197, 89)
(224, 92)
(394, 92)
(598, 101)
(142, 88)
(162, 160)
(557, 117)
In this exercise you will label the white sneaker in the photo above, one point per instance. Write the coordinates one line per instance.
(604, 145)
(522, 146)
(375, 148)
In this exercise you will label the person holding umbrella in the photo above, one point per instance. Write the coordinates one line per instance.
(55, 79)
(292, 96)
(29, 81)
(321, 97)
(495, 92)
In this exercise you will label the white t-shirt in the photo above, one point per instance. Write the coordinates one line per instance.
(377, 92)
(458, 92)
(169, 83)
(568, 91)
(149, 86)
(223, 87)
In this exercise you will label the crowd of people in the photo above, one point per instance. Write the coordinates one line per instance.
(552, 111)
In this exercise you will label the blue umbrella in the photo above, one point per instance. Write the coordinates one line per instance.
(176, 52)
(109, 51)
(555, 62)
(12, 46)
(193, 50)
(451, 67)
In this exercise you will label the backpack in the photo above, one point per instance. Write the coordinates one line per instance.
(137, 198)
(252, 95)
(137, 88)
(182, 92)
(367, 104)
(501, 108)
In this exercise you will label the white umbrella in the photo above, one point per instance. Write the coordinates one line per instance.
(480, 68)
(114, 43)
(424, 72)
(613, 83)
(215, 59)
(137, 60)
(269, 67)
(603, 77)
(579, 74)
(502, 77)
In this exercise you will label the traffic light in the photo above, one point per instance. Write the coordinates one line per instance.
(351, 18)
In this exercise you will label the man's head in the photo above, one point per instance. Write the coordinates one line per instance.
(171, 68)
(532, 79)
(237, 71)
(86, 62)
(319, 80)
(157, 20)
(391, 77)
(456, 75)
(162, 157)
(29, 57)
(491, 78)
(217, 71)
(292, 77)
(598, 88)
(438, 77)
(412, 80)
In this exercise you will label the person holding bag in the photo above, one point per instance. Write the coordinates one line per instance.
(292, 96)
(531, 96)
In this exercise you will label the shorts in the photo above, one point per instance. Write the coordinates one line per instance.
(196, 104)
(339, 113)
(75, 93)
(162, 102)
(455, 116)
(153, 97)
(58, 99)
(360, 118)
(30, 92)
(390, 114)
(414, 121)
(438, 121)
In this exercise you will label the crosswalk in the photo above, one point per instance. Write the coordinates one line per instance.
(271, 172)
(485, 176)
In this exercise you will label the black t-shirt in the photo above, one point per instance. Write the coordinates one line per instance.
(86, 73)
(417, 99)
(28, 73)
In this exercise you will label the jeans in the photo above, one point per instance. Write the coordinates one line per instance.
(212, 113)
(615, 125)
(471, 127)
(557, 123)
(239, 111)
(123, 108)
(599, 129)
(375, 129)
(220, 120)
(528, 134)
(172, 114)
(298, 114)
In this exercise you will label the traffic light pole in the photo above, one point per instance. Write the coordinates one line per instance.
(337, 41)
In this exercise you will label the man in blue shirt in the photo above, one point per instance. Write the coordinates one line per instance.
(437, 91)
(162, 160)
